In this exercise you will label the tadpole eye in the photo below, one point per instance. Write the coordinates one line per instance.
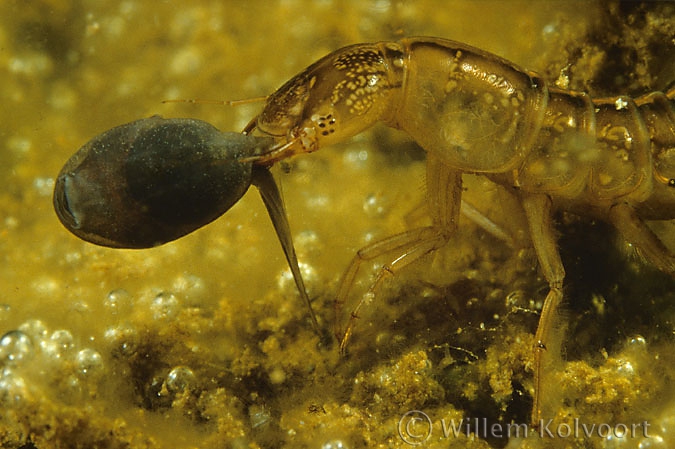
(152, 181)
(62, 205)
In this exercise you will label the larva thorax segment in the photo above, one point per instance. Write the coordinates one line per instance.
(475, 111)
(565, 144)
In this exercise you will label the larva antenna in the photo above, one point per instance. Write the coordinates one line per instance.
(249, 127)
(218, 102)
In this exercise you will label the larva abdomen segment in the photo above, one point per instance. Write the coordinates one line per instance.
(658, 112)
(559, 160)
(593, 150)
(623, 165)
(475, 111)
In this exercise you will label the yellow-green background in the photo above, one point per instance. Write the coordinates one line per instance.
(72, 69)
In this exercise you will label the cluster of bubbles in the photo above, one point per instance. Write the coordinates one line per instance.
(32, 358)
(51, 366)
(162, 307)
(36, 361)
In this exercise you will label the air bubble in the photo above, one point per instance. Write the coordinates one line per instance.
(652, 442)
(638, 342)
(164, 306)
(12, 388)
(88, 361)
(35, 329)
(5, 310)
(334, 444)
(73, 387)
(15, 347)
(625, 368)
(63, 338)
(286, 283)
(80, 307)
(19, 144)
(376, 205)
(46, 286)
(44, 186)
(191, 288)
(179, 379)
(58, 344)
(357, 159)
(186, 61)
(123, 338)
(118, 301)
(308, 244)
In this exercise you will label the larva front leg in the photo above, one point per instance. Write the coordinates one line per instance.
(444, 188)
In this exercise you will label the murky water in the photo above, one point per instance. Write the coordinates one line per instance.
(204, 342)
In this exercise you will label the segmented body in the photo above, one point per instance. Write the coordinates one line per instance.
(474, 112)
(479, 113)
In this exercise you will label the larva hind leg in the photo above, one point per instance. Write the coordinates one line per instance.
(444, 198)
(546, 350)
(489, 226)
(636, 232)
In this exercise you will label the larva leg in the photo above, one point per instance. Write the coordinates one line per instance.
(403, 249)
(538, 212)
(470, 212)
(489, 226)
(635, 231)
(444, 197)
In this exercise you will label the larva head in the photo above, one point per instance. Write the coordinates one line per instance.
(335, 98)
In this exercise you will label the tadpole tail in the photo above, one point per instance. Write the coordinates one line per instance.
(263, 180)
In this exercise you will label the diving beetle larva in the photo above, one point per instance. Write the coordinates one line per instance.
(474, 112)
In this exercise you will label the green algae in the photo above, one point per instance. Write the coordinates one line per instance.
(451, 337)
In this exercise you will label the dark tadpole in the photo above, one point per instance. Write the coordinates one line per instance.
(152, 181)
